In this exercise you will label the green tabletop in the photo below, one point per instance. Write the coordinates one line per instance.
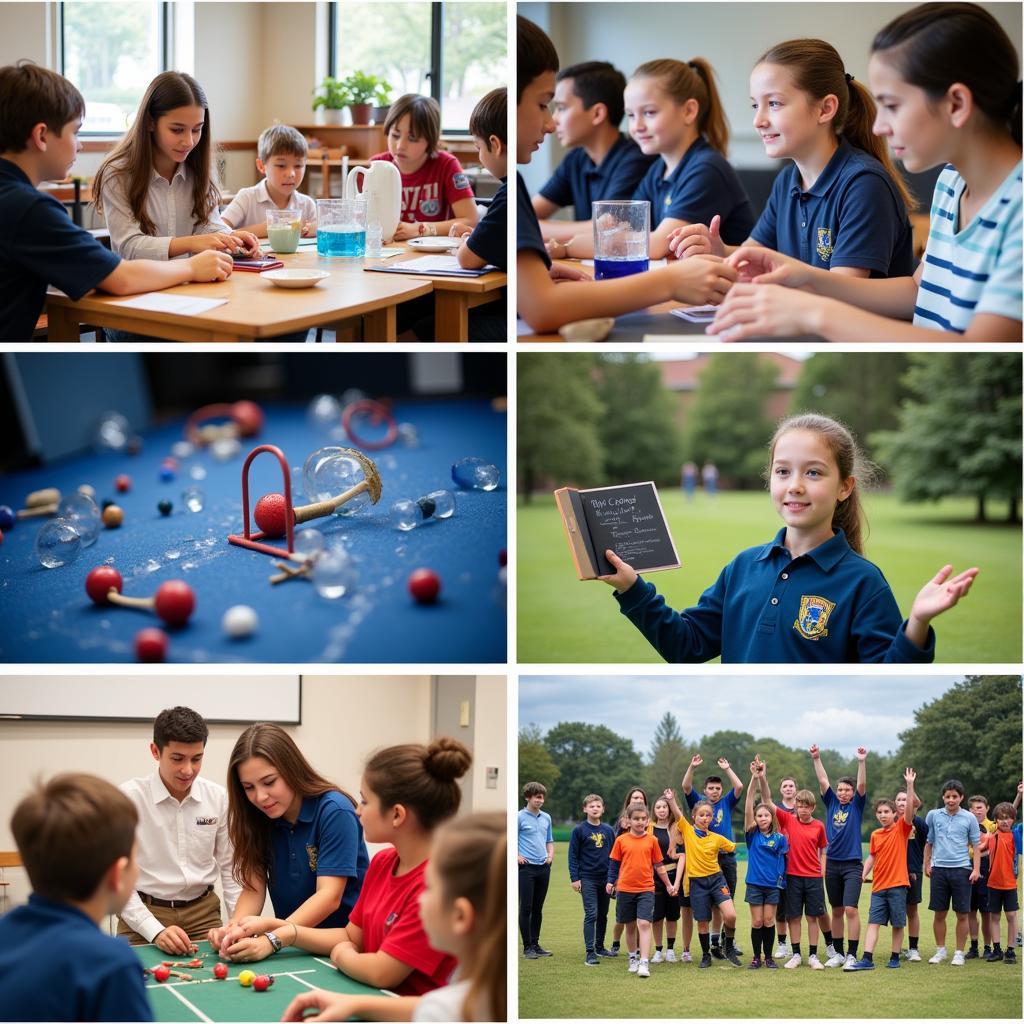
(205, 998)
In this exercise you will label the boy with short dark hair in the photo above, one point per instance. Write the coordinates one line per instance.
(590, 846)
(76, 838)
(41, 114)
(1004, 850)
(978, 806)
(602, 162)
(915, 871)
(536, 850)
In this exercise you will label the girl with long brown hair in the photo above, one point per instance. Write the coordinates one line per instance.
(841, 205)
(809, 595)
(405, 793)
(295, 834)
(157, 188)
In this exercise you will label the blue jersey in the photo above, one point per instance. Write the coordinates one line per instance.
(842, 825)
(702, 184)
(721, 820)
(950, 835)
(852, 216)
(589, 849)
(766, 858)
(528, 234)
(829, 605)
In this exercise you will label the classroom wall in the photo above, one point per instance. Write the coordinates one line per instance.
(731, 35)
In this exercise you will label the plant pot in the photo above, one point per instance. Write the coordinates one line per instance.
(332, 115)
(380, 114)
(360, 112)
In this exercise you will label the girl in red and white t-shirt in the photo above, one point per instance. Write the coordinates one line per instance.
(435, 190)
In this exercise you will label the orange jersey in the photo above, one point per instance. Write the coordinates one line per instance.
(889, 848)
(1001, 857)
(638, 856)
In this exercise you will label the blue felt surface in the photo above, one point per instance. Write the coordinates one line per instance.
(48, 617)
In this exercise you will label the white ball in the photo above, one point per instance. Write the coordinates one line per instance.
(241, 620)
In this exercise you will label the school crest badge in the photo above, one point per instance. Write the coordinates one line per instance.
(824, 244)
(598, 838)
(812, 619)
(839, 818)
(311, 852)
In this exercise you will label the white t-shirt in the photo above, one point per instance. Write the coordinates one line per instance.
(250, 206)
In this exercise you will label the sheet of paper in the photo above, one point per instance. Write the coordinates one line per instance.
(696, 314)
(432, 264)
(161, 302)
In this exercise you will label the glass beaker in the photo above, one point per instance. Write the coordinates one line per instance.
(622, 233)
(341, 228)
(284, 227)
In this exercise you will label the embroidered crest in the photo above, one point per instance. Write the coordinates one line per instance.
(812, 619)
(718, 816)
(460, 180)
(668, 202)
(391, 919)
(311, 852)
(430, 207)
(839, 818)
(825, 244)
(598, 838)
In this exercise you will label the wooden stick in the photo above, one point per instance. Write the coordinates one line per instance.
(325, 508)
(114, 597)
(289, 573)
(37, 510)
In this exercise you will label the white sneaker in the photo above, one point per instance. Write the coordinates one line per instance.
(814, 963)
(940, 955)
(836, 960)
(634, 965)
(794, 961)
(685, 957)
(782, 952)
(958, 959)
(670, 956)
(850, 959)
(913, 956)
(643, 971)
(830, 950)
(657, 958)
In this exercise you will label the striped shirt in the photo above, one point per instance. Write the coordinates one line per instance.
(974, 269)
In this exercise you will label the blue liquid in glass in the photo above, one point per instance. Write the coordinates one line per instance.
(605, 268)
(341, 240)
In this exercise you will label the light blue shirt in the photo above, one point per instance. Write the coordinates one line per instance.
(949, 836)
(534, 835)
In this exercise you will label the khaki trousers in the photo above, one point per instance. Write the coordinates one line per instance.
(196, 920)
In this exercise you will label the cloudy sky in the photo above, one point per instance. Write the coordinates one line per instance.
(839, 711)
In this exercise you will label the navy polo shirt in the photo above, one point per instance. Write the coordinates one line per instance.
(842, 825)
(852, 216)
(327, 839)
(41, 246)
(915, 848)
(528, 234)
(578, 181)
(703, 184)
(721, 820)
(489, 239)
(56, 964)
(830, 605)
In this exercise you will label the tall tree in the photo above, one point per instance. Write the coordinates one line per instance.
(669, 755)
(535, 762)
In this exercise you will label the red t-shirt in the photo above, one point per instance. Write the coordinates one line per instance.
(804, 843)
(428, 194)
(388, 911)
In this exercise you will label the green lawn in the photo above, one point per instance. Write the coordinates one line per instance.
(561, 986)
(561, 619)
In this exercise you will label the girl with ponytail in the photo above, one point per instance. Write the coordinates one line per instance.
(809, 595)
(673, 110)
(842, 204)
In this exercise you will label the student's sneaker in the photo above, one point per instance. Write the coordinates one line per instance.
(716, 952)
(634, 965)
(940, 955)
(591, 960)
(994, 956)
(685, 957)
(850, 959)
(755, 964)
(894, 961)
(830, 950)
(913, 956)
(958, 959)
(972, 954)
(657, 958)
(770, 964)
(643, 971)
(531, 954)
(670, 956)
(733, 958)
(783, 951)
(607, 952)
(836, 960)
(705, 960)
(793, 962)
(541, 951)
(614, 951)
(860, 965)
(1009, 957)
(814, 963)
(1019, 938)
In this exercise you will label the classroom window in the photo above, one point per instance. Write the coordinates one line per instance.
(112, 51)
(455, 52)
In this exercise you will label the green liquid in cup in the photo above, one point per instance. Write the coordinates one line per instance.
(285, 237)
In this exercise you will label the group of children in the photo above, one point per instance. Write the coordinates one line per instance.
(424, 917)
(661, 867)
(158, 192)
(832, 252)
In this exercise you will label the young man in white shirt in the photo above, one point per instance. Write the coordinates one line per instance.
(183, 841)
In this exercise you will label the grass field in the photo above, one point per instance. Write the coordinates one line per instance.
(561, 986)
(561, 619)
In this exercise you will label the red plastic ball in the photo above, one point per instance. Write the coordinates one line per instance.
(220, 971)
(123, 483)
(151, 645)
(175, 601)
(161, 973)
(424, 585)
(261, 982)
(100, 581)
(270, 515)
(248, 417)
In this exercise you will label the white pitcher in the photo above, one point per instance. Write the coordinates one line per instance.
(382, 189)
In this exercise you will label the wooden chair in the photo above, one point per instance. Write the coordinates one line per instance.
(8, 859)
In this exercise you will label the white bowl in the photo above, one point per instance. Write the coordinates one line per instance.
(588, 330)
(295, 278)
(435, 243)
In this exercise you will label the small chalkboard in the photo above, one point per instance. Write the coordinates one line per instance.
(628, 518)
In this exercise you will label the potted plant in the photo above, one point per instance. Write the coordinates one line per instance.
(382, 103)
(363, 90)
(335, 97)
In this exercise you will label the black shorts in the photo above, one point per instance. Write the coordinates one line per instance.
(706, 893)
(804, 895)
(1003, 899)
(633, 906)
(951, 885)
(914, 892)
(666, 908)
(979, 895)
(843, 881)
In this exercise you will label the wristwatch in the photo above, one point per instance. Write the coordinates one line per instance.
(275, 942)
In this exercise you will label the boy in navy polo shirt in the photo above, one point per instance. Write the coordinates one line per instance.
(915, 872)
(40, 117)
(602, 162)
(721, 822)
(76, 838)
(536, 850)
(590, 846)
(844, 812)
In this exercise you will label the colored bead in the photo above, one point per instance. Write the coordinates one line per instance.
(166, 474)
(123, 483)
(248, 417)
(270, 515)
(113, 516)
(101, 581)
(239, 621)
(175, 602)
(424, 585)
(164, 507)
(151, 645)
(7, 517)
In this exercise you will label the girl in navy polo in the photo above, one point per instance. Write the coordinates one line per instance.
(809, 595)
(766, 870)
(294, 833)
(842, 204)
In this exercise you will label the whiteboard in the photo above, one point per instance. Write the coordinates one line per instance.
(141, 698)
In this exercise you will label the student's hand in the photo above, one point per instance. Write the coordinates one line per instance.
(253, 924)
(609, 888)
(702, 281)
(697, 240)
(759, 265)
(673, 890)
(815, 752)
(247, 950)
(565, 272)
(212, 265)
(624, 576)
(577, 885)
(928, 870)
(248, 241)
(329, 1006)
(770, 311)
(521, 860)
(460, 229)
(174, 940)
(308, 228)
(975, 875)
(940, 593)
(222, 241)
(696, 761)
(723, 763)
(669, 795)
(909, 775)
(912, 876)
(407, 230)
(862, 753)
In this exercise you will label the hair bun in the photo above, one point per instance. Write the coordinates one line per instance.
(447, 759)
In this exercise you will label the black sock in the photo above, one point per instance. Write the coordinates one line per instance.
(974, 945)
(767, 938)
(755, 942)
(671, 942)
(854, 943)
(828, 937)
(705, 941)
(796, 949)
(715, 941)
(658, 948)
(914, 940)
(730, 934)
(838, 945)
(782, 935)
(812, 950)
(615, 944)
(870, 957)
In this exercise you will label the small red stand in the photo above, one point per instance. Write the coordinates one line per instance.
(377, 413)
(253, 540)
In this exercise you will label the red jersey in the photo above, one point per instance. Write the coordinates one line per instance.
(804, 843)
(388, 911)
(428, 194)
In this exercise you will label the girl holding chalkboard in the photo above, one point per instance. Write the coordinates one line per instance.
(808, 595)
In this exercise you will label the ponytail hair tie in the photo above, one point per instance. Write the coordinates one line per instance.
(849, 78)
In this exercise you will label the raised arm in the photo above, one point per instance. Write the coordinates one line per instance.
(669, 796)
(908, 812)
(766, 792)
(1016, 799)
(862, 772)
(688, 777)
(819, 769)
(748, 804)
(737, 785)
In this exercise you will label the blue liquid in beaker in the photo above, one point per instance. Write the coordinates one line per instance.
(341, 240)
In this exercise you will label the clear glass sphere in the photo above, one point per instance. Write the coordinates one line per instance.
(58, 543)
